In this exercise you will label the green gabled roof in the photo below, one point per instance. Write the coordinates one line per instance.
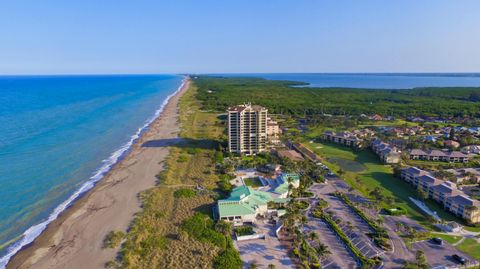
(234, 209)
(243, 200)
(261, 197)
(239, 193)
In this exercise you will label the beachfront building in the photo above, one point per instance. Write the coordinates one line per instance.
(247, 129)
(387, 153)
(443, 192)
(344, 138)
(439, 155)
(245, 204)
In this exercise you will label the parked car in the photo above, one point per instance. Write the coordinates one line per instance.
(437, 241)
(459, 259)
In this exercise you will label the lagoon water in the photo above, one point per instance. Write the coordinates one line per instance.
(377, 81)
(59, 134)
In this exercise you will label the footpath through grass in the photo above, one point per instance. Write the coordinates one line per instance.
(155, 239)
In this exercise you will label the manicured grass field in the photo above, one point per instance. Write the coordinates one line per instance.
(375, 175)
(471, 247)
(452, 239)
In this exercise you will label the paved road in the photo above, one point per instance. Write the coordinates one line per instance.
(400, 252)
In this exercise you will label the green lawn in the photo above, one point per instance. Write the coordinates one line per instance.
(472, 229)
(452, 239)
(376, 174)
(253, 182)
(471, 247)
(397, 122)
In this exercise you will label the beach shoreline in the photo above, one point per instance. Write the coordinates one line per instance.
(75, 238)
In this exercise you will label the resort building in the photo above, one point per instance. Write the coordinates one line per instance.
(439, 155)
(245, 203)
(273, 131)
(344, 138)
(247, 129)
(445, 193)
(387, 153)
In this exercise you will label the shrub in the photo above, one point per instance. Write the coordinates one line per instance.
(182, 159)
(202, 228)
(113, 239)
(228, 259)
(184, 193)
(244, 230)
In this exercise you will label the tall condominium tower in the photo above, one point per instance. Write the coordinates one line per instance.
(247, 129)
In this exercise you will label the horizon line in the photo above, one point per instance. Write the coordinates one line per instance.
(242, 73)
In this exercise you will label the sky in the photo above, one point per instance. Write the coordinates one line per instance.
(238, 36)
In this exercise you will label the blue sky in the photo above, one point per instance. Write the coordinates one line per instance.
(115, 36)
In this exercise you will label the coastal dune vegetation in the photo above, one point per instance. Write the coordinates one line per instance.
(175, 228)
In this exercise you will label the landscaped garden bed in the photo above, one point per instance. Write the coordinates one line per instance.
(244, 230)
(253, 182)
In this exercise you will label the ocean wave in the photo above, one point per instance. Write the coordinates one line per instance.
(33, 232)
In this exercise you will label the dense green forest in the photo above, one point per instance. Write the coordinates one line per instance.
(287, 97)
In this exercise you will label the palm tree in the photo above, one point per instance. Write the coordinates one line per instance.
(224, 228)
(322, 250)
(271, 266)
(313, 236)
(253, 265)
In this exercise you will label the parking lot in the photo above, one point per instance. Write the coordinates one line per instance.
(341, 256)
(439, 255)
(351, 224)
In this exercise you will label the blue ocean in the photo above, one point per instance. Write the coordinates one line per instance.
(376, 81)
(61, 134)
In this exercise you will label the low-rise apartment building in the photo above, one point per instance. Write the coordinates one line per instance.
(438, 155)
(466, 174)
(345, 138)
(387, 153)
(445, 193)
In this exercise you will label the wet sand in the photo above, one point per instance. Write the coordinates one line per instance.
(75, 239)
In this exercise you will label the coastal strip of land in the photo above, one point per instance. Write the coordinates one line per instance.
(76, 238)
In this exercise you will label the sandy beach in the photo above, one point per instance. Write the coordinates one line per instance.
(75, 239)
